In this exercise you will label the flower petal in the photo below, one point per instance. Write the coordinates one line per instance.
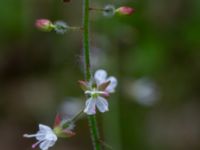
(46, 144)
(43, 132)
(44, 128)
(113, 83)
(51, 136)
(90, 106)
(100, 76)
(102, 104)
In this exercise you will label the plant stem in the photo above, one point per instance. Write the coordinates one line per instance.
(94, 132)
(86, 45)
(75, 28)
(96, 9)
(77, 116)
(72, 120)
(86, 48)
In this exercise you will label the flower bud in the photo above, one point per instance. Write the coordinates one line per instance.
(124, 10)
(44, 25)
(109, 10)
(60, 27)
(58, 120)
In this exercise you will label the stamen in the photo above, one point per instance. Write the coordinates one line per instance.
(29, 135)
(94, 91)
(36, 144)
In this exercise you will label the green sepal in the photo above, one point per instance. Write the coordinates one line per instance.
(63, 133)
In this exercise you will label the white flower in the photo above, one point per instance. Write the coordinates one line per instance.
(45, 136)
(100, 77)
(97, 94)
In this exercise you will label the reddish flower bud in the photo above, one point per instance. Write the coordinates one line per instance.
(58, 120)
(44, 25)
(124, 10)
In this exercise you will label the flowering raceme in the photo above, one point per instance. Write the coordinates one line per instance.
(59, 26)
(98, 91)
(110, 10)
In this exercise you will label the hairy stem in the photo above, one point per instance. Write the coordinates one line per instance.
(86, 45)
(94, 132)
(86, 52)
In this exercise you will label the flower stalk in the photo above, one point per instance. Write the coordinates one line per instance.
(96, 9)
(86, 52)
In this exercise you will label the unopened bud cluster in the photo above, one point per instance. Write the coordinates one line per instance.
(110, 10)
(46, 25)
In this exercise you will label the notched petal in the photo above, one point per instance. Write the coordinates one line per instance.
(90, 106)
(113, 83)
(44, 128)
(46, 144)
(102, 104)
(100, 76)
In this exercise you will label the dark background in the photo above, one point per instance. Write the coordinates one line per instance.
(154, 54)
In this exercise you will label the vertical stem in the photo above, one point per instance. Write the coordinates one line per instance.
(94, 132)
(86, 46)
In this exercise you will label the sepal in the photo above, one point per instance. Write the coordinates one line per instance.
(63, 133)
(103, 86)
(83, 85)
(58, 120)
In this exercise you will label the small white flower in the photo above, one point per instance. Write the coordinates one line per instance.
(45, 136)
(100, 77)
(97, 94)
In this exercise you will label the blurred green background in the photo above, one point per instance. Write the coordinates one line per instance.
(154, 54)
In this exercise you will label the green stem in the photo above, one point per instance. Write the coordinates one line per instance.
(75, 28)
(77, 116)
(97, 9)
(86, 46)
(94, 132)
(73, 120)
